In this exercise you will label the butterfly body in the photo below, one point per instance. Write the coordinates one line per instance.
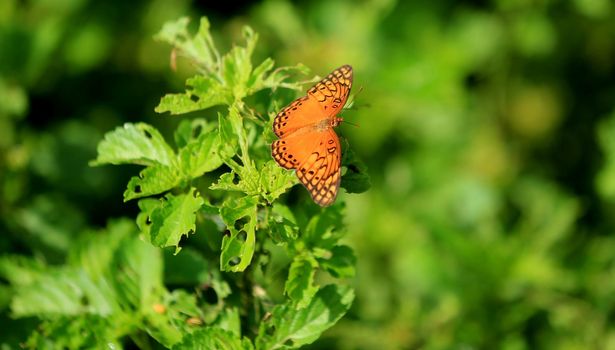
(308, 142)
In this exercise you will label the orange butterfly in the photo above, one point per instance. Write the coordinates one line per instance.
(308, 142)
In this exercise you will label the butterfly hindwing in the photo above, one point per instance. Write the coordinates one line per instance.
(320, 171)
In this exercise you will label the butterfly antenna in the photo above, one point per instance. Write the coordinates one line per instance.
(353, 124)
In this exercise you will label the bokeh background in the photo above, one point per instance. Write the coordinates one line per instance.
(488, 127)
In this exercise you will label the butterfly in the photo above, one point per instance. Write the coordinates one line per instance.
(308, 144)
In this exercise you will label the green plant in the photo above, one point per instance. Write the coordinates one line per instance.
(220, 184)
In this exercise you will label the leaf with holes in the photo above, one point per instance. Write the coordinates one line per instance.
(229, 182)
(275, 180)
(201, 93)
(239, 215)
(134, 144)
(300, 286)
(152, 180)
(292, 328)
(163, 222)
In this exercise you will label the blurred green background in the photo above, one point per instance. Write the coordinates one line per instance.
(488, 127)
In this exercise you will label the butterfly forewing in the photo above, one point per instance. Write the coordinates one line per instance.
(332, 91)
(307, 141)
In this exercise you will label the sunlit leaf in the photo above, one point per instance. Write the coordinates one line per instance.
(275, 180)
(152, 180)
(239, 215)
(292, 328)
(134, 144)
(202, 92)
(165, 221)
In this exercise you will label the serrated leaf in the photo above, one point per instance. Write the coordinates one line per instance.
(289, 328)
(66, 291)
(134, 144)
(275, 180)
(164, 222)
(228, 182)
(341, 262)
(300, 286)
(229, 141)
(152, 180)
(239, 215)
(200, 156)
(277, 78)
(202, 92)
(213, 338)
(198, 48)
(237, 64)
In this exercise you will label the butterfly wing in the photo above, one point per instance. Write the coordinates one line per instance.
(303, 112)
(324, 100)
(316, 156)
(332, 91)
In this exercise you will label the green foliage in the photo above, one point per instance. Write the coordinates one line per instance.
(231, 146)
(487, 129)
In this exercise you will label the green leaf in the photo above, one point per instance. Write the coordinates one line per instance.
(187, 268)
(340, 262)
(260, 80)
(229, 320)
(300, 286)
(65, 291)
(200, 155)
(275, 180)
(134, 144)
(229, 141)
(199, 48)
(228, 182)
(290, 328)
(170, 320)
(137, 274)
(84, 332)
(239, 215)
(152, 180)
(163, 222)
(237, 64)
(356, 179)
(202, 92)
(213, 338)
(282, 224)
(324, 229)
